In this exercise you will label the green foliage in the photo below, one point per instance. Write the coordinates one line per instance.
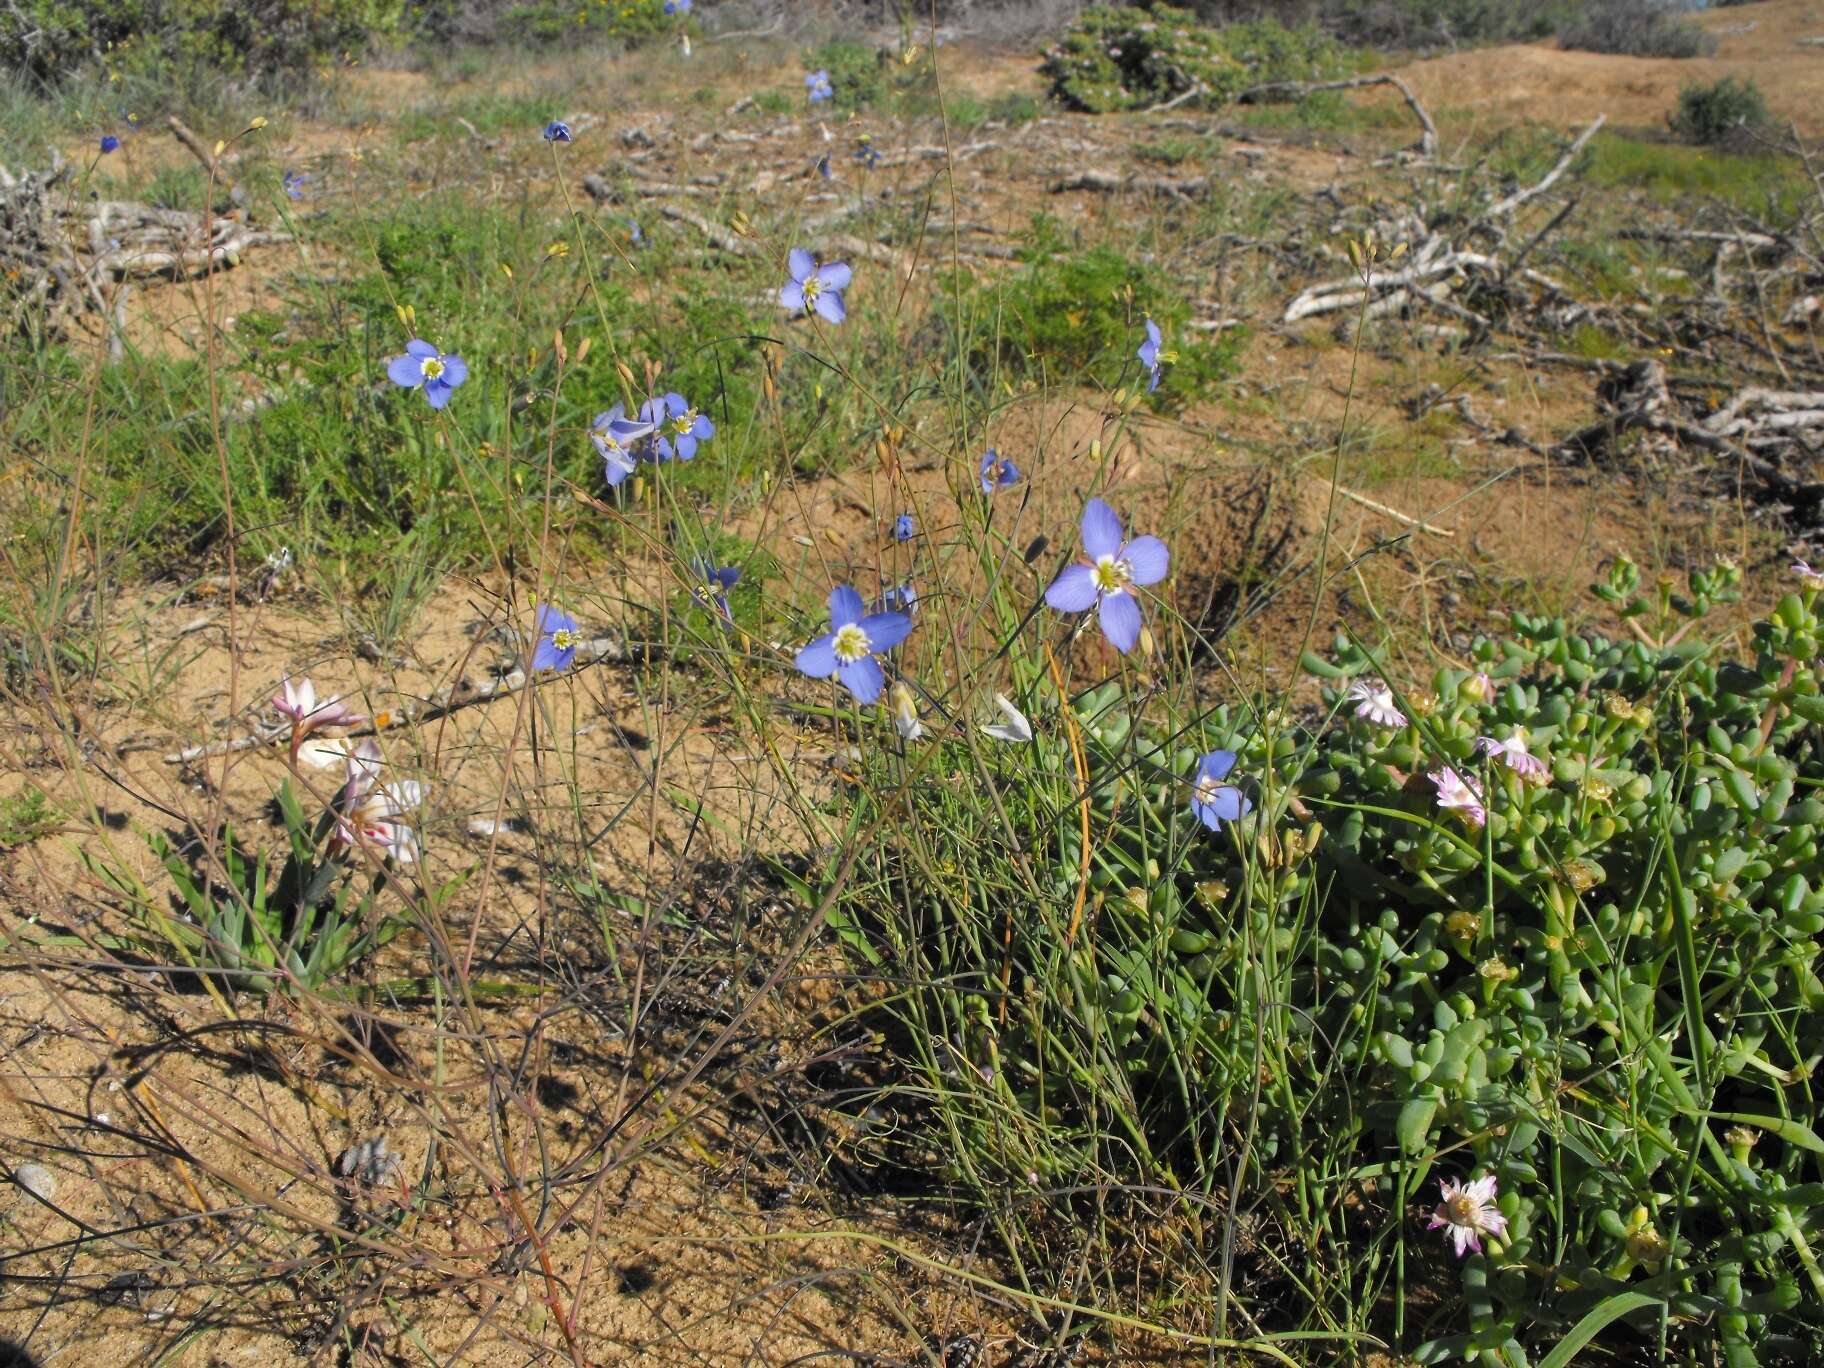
(1119, 58)
(1068, 316)
(550, 23)
(1763, 183)
(256, 922)
(52, 39)
(25, 816)
(1607, 997)
(1723, 112)
(858, 74)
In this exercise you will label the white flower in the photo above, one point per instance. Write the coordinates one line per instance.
(1468, 1211)
(1016, 728)
(298, 701)
(371, 811)
(1374, 701)
(1813, 579)
(1513, 753)
(905, 711)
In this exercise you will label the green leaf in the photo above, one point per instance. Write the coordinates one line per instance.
(1792, 1132)
(1415, 1123)
(1605, 1313)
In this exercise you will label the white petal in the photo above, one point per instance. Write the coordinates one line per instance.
(1016, 728)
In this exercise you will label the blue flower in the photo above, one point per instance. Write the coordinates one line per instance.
(997, 473)
(815, 287)
(1213, 801)
(903, 528)
(1107, 580)
(866, 153)
(713, 584)
(1149, 354)
(678, 426)
(903, 599)
(621, 442)
(677, 6)
(817, 86)
(557, 640)
(848, 649)
(109, 143)
(557, 131)
(823, 166)
(424, 367)
(634, 235)
(294, 184)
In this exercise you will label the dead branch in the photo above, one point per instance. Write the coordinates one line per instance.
(1507, 206)
(1109, 182)
(1428, 135)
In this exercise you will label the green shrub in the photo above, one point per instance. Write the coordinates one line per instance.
(1635, 28)
(1077, 316)
(859, 75)
(1723, 112)
(51, 39)
(1607, 997)
(550, 23)
(1113, 59)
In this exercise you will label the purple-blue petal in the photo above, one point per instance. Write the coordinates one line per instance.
(1148, 559)
(886, 630)
(829, 307)
(818, 659)
(405, 371)
(1073, 591)
(1216, 765)
(419, 347)
(437, 392)
(791, 296)
(455, 371)
(1101, 530)
(1120, 617)
(799, 264)
(835, 276)
(702, 429)
(864, 678)
(845, 606)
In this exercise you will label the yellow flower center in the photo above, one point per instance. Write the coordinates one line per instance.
(1207, 789)
(563, 638)
(431, 367)
(1462, 1210)
(684, 422)
(812, 288)
(851, 644)
(1111, 576)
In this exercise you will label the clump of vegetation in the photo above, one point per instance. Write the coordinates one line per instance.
(51, 39)
(1724, 112)
(1634, 28)
(1113, 59)
(1550, 922)
(1069, 316)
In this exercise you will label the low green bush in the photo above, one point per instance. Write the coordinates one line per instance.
(1602, 992)
(1725, 111)
(1132, 58)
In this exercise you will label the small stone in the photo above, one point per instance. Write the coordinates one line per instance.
(37, 1180)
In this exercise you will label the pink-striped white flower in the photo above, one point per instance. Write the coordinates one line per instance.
(297, 699)
(1512, 752)
(1812, 579)
(1467, 1212)
(1374, 702)
(1462, 793)
(370, 812)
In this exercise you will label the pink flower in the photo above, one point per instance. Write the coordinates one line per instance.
(298, 701)
(1468, 1211)
(370, 811)
(1374, 702)
(1462, 793)
(1813, 579)
(1513, 753)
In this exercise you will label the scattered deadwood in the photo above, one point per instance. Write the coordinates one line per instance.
(1110, 182)
(463, 694)
(1428, 131)
(68, 255)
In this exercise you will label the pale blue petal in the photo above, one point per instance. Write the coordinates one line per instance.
(1216, 765)
(405, 371)
(455, 371)
(835, 276)
(829, 306)
(799, 264)
(1120, 617)
(420, 348)
(886, 630)
(1101, 530)
(791, 296)
(1073, 591)
(437, 392)
(1148, 559)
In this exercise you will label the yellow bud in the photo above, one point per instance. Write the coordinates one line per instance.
(258, 121)
(219, 147)
(1146, 641)
(506, 270)
(582, 349)
(557, 345)
(626, 374)
(1095, 449)
(558, 249)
